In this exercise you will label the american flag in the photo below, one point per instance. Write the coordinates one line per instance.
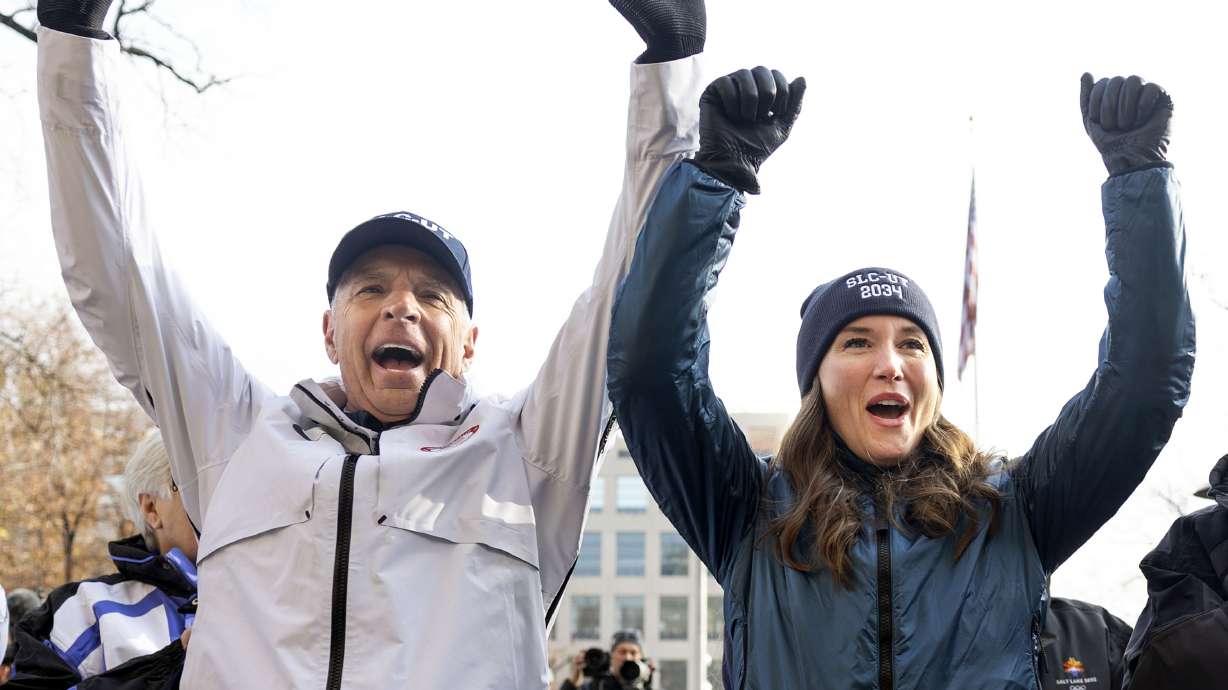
(967, 333)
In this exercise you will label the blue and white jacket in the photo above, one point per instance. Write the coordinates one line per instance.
(116, 631)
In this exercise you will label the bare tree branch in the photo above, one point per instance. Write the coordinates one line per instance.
(200, 86)
(10, 20)
(124, 11)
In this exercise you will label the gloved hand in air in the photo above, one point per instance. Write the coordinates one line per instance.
(1128, 120)
(672, 29)
(743, 118)
(80, 17)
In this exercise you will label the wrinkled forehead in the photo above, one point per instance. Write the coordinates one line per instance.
(387, 261)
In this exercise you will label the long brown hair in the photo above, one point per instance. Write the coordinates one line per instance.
(936, 484)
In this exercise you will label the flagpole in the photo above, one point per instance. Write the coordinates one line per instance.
(971, 299)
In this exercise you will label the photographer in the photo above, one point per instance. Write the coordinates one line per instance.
(623, 667)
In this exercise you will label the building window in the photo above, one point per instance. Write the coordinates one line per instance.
(596, 495)
(630, 611)
(674, 554)
(673, 618)
(716, 617)
(672, 673)
(589, 563)
(714, 675)
(631, 554)
(632, 494)
(585, 617)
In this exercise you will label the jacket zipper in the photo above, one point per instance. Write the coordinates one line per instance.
(341, 572)
(1038, 657)
(886, 671)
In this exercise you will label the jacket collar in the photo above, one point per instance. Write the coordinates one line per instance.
(868, 475)
(442, 400)
(172, 573)
(1219, 482)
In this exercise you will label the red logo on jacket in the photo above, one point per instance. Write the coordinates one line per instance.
(454, 442)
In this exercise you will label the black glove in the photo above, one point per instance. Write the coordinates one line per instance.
(673, 29)
(743, 118)
(1128, 121)
(80, 17)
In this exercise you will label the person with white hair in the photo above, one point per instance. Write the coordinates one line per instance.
(129, 628)
(4, 634)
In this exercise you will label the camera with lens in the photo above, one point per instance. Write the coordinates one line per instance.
(634, 675)
(596, 663)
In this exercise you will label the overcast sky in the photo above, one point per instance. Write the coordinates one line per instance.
(504, 122)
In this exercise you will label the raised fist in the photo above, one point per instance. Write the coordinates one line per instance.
(672, 29)
(743, 118)
(1127, 119)
(80, 17)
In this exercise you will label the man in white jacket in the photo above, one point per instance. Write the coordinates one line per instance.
(402, 533)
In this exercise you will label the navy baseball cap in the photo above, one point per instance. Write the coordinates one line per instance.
(410, 230)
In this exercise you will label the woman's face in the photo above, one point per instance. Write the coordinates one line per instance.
(880, 387)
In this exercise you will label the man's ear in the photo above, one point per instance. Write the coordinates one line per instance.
(470, 345)
(330, 345)
(149, 511)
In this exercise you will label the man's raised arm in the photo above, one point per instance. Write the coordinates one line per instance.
(158, 345)
(567, 414)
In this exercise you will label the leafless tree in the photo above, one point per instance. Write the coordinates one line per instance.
(22, 21)
(66, 429)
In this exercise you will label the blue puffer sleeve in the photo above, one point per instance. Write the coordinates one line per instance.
(694, 459)
(1083, 467)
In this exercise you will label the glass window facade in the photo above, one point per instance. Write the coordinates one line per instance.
(672, 674)
(596, 495)
(673, 618)
(632, 495)
(630, 612)
(716, 617)
(585, 617)
(631, 554)
(589, 563)
(674, 554)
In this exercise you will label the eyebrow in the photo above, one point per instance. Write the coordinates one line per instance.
(862, 330)
(382, 275)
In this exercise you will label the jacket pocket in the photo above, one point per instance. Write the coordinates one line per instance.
(267, 485)
(481, 498)
(442, 522)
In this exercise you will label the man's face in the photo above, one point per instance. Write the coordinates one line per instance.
(397, 316)
(624, 652)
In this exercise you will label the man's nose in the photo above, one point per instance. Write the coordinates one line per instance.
(402, 306)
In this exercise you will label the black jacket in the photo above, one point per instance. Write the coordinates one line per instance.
(1181, 639)
(88, 635)
(1082, 644)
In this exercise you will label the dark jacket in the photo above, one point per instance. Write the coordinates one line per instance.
(1181, 639)
(972, 623)
(1081, 645)
(115, 632)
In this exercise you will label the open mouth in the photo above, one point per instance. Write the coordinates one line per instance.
(397, 357)
(888, 407)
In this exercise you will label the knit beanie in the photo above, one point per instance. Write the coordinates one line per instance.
(863, 292)
(627, 635)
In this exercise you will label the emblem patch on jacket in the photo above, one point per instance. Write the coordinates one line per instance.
(1076, 674)
(464, 436)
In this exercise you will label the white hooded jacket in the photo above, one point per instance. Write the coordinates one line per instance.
(428, 556)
